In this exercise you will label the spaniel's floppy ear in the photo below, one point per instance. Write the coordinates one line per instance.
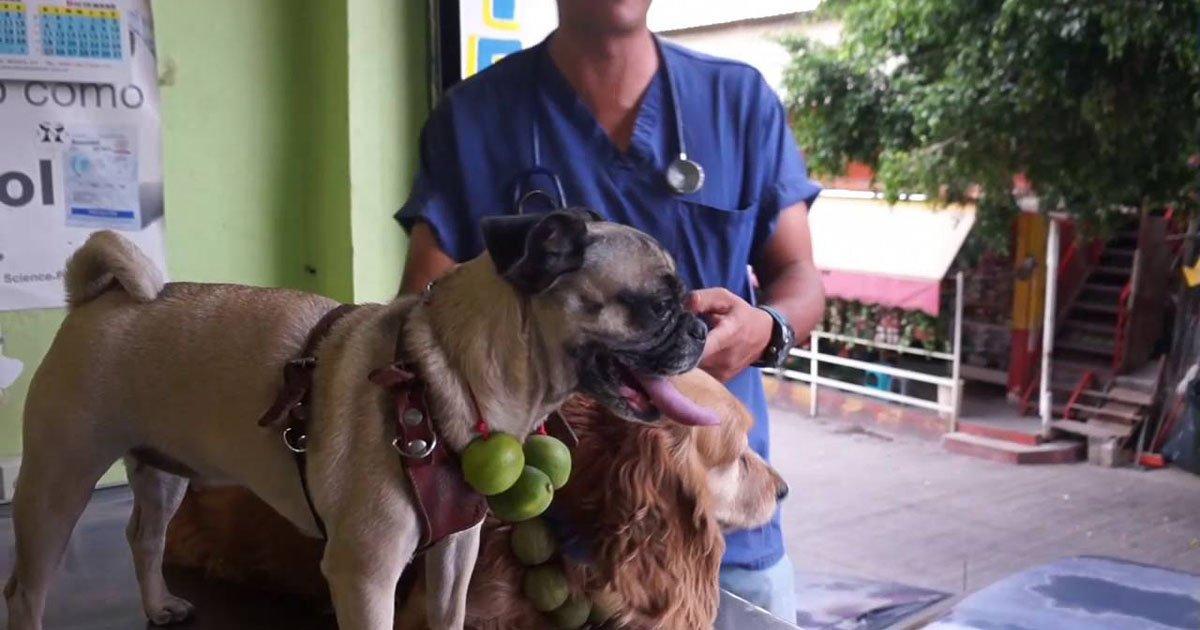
(657, 547)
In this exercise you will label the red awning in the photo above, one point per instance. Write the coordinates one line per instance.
(880, 254)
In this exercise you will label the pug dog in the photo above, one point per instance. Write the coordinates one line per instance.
(172, 379)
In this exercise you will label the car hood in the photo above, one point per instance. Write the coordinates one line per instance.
(1083, 592)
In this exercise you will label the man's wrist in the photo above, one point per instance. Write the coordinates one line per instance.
(767, 327)
(780, 341)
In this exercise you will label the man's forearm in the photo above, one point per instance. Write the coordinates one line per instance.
(796, 292)
(425, 262)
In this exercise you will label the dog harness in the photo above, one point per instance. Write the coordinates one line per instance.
(445, 504)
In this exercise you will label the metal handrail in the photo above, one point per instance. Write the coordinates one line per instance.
(881, 368)
(804, 377)
(1084, 381)
(933, 354)
(1122, 325)
(815, 357)
(1068, 258)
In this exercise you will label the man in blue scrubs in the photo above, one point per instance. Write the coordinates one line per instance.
(594, 101)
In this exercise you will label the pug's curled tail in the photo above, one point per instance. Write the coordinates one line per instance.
(108, 257)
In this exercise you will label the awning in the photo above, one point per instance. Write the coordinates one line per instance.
(890, 255)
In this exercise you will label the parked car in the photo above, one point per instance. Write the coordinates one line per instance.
(1077, 593)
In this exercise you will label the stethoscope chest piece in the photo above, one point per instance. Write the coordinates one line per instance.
(684, 176)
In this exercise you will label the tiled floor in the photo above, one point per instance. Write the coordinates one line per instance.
(900, 509)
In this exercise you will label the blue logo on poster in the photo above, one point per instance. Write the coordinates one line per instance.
(492, 50)
(499, 17)
(504, 10)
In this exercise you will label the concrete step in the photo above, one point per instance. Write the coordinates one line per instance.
(999, 433)
(1103, 292)
(1107, 289)
(1124, 240)
(1075, 367)
(1111, 271)
(1110, 410)
(1056, 452)
(1089, 345)
(1094, 429)
(1095, 328)
(1069, 370)
(1129, 395)
(1096, 307)
(1146, 383)
(1083, 315)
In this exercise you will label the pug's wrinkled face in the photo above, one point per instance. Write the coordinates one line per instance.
(620, 304)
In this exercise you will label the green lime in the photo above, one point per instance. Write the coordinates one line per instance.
(572, 614)
(605, 604)
(532, 542)
(527, 498)
(493, 464)
(550, 456)
(545, 587)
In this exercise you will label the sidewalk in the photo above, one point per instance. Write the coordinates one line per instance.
(869, 504)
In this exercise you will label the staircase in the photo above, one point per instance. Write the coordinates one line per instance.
(1090, 396)
(1086, 396)
(1091, 324)
(1109, 317)
(1108, 415)
(1090, 334)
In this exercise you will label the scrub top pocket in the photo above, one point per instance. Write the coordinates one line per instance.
(713, 245)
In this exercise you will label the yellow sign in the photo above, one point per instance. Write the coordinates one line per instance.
(1191, 275)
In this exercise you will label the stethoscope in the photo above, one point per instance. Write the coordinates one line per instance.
(683, 176)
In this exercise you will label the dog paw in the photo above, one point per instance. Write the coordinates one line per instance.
(171, 611)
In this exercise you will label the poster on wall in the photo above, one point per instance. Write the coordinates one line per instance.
(474, 34)
(487, 30)
(78, 157)
(81, 41)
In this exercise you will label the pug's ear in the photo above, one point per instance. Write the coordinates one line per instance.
(532, 251)
(587, 213)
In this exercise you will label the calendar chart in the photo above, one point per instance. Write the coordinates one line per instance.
(65, 40)
(81, 32)
(14, 31)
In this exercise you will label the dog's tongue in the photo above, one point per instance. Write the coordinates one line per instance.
(674, 404)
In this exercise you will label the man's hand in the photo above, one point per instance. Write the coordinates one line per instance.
(737, 332)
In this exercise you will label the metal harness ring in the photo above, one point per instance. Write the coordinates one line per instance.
(295, 444)
(420, 449)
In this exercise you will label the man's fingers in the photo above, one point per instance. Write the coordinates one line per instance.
(719, 336)
(716, 301)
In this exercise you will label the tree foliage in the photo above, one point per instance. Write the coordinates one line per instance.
(1095, 102)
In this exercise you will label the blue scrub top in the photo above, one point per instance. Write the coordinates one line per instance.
(479, 140)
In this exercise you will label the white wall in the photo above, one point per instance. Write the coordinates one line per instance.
(757, 43)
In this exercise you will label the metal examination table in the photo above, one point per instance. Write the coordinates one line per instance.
(96, 588)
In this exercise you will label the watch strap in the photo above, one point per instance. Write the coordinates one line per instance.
(781, 343)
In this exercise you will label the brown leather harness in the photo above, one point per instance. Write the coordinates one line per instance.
(445, 504)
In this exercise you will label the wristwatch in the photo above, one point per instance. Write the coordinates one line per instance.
(783, 339)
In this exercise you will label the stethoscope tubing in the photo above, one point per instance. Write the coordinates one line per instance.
(683, 175)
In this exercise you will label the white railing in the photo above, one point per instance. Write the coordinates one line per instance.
(953, 382)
